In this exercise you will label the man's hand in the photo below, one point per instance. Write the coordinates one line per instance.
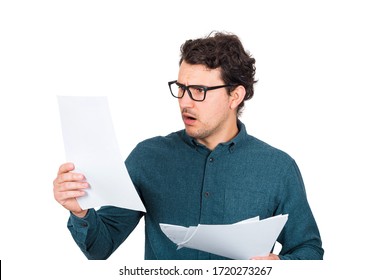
(69, 185)
(269, 257)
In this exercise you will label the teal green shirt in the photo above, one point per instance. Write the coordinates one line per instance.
(182, 182)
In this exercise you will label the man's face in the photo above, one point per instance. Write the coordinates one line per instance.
(206, 121)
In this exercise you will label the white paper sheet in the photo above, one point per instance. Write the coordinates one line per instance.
(241, 241)
(90, 143)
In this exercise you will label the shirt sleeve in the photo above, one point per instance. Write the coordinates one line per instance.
(101, 231)
(300, 238)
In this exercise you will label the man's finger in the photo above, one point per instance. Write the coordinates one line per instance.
(66, 167)
(69, 177)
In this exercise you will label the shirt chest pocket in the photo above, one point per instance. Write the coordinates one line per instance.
(244, 204)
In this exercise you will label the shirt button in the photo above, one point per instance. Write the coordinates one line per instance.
(206, 194)
(211, 159)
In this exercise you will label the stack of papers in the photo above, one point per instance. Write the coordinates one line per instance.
(240, 241)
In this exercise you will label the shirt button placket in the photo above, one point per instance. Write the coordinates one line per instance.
(207, 191)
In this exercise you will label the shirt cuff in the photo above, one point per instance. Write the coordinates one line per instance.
(88, 221)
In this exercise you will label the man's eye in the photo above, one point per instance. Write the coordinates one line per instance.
(181, 87)
(198, 89)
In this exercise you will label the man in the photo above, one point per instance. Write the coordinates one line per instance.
(212, 172)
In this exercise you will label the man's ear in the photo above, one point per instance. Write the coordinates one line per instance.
(237, 96)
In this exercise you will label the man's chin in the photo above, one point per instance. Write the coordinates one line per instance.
(191, 131)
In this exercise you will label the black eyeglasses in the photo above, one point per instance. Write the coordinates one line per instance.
(196, 93)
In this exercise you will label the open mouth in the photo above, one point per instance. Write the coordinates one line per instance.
(188, 119)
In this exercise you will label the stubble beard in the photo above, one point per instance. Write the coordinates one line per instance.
(205, 132)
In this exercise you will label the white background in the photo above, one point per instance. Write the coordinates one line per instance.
(323, 69)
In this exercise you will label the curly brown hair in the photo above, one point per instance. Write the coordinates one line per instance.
(226, 51)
